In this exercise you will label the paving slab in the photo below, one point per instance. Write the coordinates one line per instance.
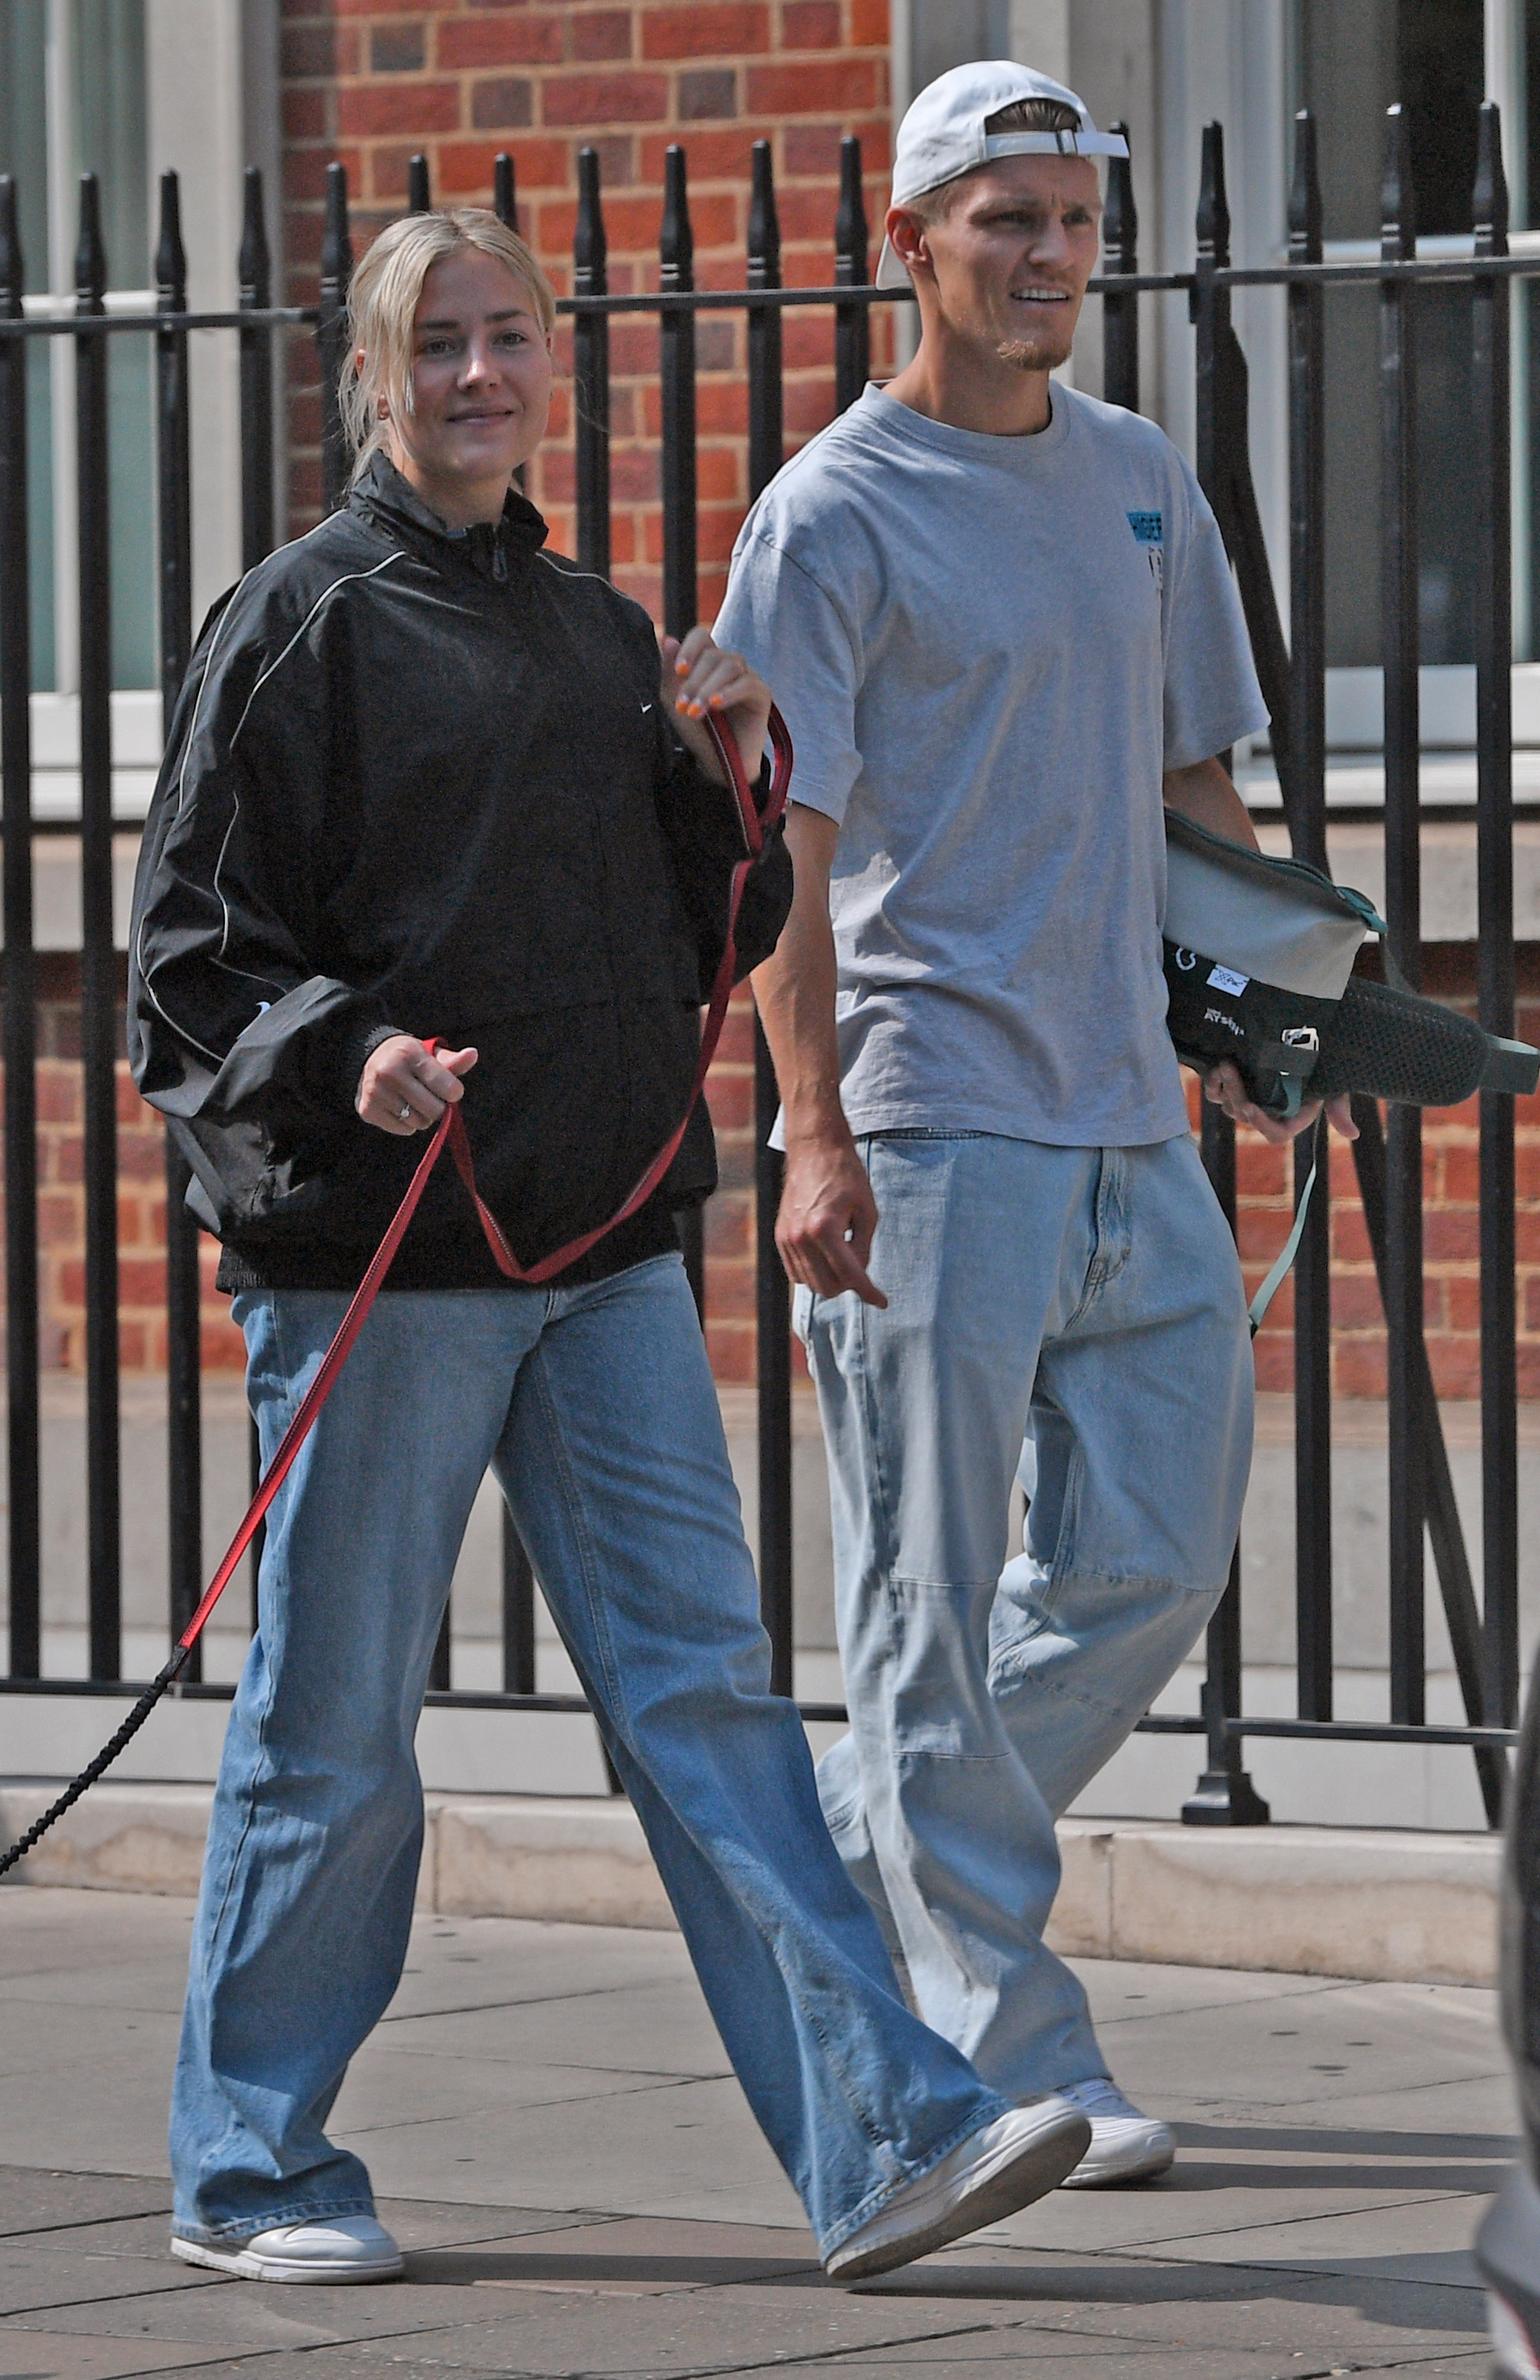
(668, 2015)
(54, 2355)
(580, 2189)
(33, 2201)
(677, 2147)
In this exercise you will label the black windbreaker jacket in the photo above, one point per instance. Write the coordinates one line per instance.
(422, 783)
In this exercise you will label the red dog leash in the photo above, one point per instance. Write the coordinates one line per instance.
(451, 1129)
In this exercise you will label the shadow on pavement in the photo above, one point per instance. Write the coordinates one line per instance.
(465, 2267)
(1412, 2297)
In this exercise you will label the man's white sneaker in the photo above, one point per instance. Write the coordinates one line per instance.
(345, 2248)
(1018, 2157)
(1125, 2144)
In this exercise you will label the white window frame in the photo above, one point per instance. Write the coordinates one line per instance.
(212, 105)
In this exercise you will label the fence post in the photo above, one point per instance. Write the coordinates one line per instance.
(420, 196)
(1120, 307)
(676, 377)
(773, 1316)
(1490, 368)
(1399, 656)
(590, 372)
(1224, 1795)
(258, 520)
(681, 585)
(1313, 1570)
(336, 271)
(852, 271)
(98, 958)
(19, 973)
(505, 197)
(254, 274)
(184, 1419)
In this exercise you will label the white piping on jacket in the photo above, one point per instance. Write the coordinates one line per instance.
(218, 957)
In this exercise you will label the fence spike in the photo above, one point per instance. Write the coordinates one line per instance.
(1120, 222)
(764, 224)
(1304, 194)
(171, 256)
(1213, 221)
(1489, 197)
(505, 194)
(91, 257)
(254, 268)
(852, 268)
(1397, 224)
(13, 272)
(420, 196)
(337, 244)
(591, 249)
(676, 240)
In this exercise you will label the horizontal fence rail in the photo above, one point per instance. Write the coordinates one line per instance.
(1291, 667)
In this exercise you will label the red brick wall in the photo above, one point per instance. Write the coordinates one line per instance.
(141, 1203)
(368, 83)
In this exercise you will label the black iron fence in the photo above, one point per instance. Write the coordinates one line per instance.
(1485, 1636)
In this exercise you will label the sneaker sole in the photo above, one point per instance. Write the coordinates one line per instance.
(1131, 2161)
(1035, 2169)
(241, 2266)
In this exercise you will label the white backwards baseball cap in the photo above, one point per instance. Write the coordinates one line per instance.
(942, 135)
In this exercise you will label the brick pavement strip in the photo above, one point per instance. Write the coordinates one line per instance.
(581, 2191)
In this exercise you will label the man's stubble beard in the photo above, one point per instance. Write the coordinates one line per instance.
(1033, 355)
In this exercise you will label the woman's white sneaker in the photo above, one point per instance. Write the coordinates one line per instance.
(994, 2172)
(344, 2248)
(1126, 2145)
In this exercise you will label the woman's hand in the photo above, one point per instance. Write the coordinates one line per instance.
(405, 1088)
(698, 677)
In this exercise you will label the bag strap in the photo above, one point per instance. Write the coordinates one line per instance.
(1278, 1273)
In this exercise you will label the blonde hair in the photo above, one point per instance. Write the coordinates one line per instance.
(381, 307)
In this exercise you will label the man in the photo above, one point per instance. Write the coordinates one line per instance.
(1000, 621)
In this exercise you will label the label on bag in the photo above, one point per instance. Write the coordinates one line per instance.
(1225, 979)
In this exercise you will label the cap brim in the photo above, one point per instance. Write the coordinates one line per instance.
(891, 273)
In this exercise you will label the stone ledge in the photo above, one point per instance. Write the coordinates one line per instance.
(1373, 1903)
(1376, 1904)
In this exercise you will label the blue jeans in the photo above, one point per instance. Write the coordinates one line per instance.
(595, 1408)
(1088, 1301)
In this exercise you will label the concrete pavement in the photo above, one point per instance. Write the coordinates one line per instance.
(557, 2138)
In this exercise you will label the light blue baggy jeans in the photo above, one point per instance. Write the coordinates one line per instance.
(595, 1408)
(1090, 1301)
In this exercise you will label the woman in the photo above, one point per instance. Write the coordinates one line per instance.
(424, 780)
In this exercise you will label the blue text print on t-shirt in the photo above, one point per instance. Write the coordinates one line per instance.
(1149, 529)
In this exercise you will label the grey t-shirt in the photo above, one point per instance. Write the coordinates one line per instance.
(987, 650)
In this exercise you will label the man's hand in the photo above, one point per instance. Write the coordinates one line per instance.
(405, 1088)
(698, 677)
(828, 1214)
(827, 1218)
(1223, 1087)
